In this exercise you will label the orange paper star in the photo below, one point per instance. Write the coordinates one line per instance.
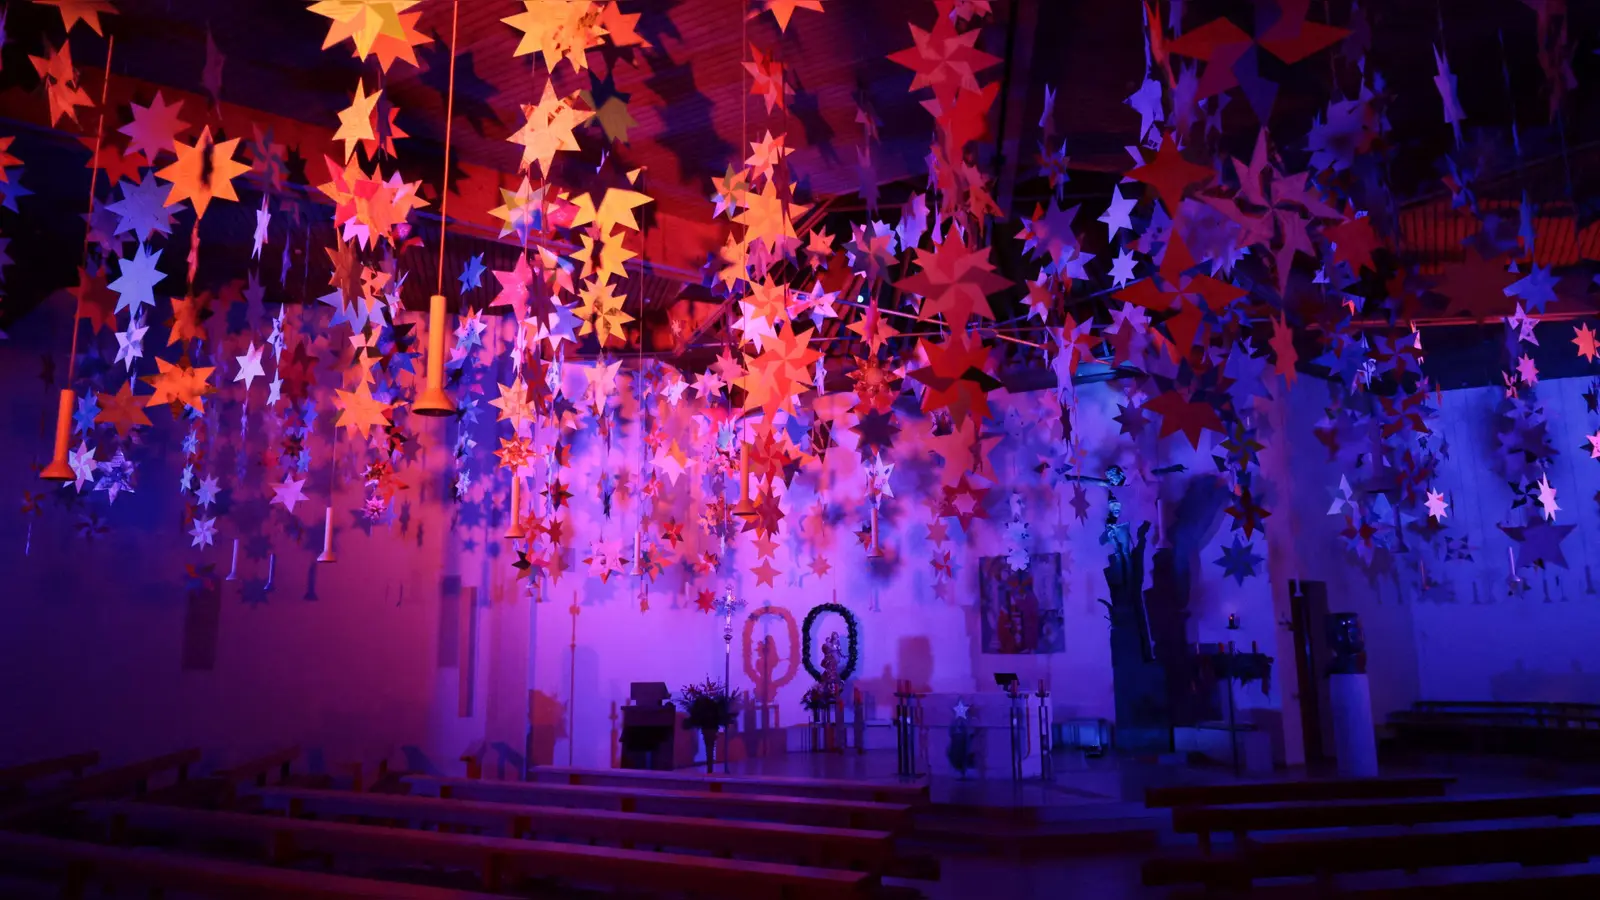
(204, 170)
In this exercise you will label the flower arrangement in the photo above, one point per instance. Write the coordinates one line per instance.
(707, 705)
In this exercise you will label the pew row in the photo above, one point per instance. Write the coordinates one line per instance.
(80, 864)
(497, 860)
(1580, 882)
(1282, 855)
(258, 770)
(913, 793)
(133, 779)
(15, 779)
(1255, 817)
(870, 851)
(1313, 789)
(762, 807)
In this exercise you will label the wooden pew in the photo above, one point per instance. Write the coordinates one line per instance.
(793, 810)
(1498, 726)
(910, 792)
(872, 851)
(1245, 818)
(82, 864)
(15, 779)
(257, 770)
(1311, 789)
(133, 778)
(498, 860)
(1471, 883)
(1534, 842)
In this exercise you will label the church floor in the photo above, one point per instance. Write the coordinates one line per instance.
(1087, 832)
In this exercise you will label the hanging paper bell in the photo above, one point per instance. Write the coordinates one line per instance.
(59, 469)
(327, 539)
(745, 509)
(434, 401)
(516, 531)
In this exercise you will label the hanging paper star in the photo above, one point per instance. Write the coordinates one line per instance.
(1170, 174)
(203, 171)
(62, 88)
(181, 383)
(86, 11)
(250, 366)
(137, 281)
(1239, 561)
(263, 222)
(1437, 505)
(472, 273)
(83, 465)
(122, 410)
(203, 532)
(143, 209)
(118, 477)
(379, 28)
(289, 493)
(358, 409)
(1541, 541)
(1588, 346)
(1547, 498)
(155, 128)
(782, 10)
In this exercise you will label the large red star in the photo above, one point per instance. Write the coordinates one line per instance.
(765, 573)
(1169, 173)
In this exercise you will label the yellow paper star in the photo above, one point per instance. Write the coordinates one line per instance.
(179, 384)
(358, 409)
(355, 122)
(203, 171)
(375, 26)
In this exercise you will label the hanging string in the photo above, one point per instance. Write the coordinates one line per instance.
(449, 117)
(94, 172)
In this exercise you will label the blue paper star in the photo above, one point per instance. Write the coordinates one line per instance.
(472, 273)
(1535, 290)
(1239, 561)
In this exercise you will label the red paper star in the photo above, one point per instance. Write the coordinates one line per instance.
(1180, 414)
(765, 573)
(1169, 173)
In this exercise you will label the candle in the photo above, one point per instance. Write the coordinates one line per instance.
(272, 565)
(233, 570)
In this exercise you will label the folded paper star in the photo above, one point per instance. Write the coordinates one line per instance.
(203, 171)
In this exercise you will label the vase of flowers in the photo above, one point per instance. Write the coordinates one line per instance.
(707, 708)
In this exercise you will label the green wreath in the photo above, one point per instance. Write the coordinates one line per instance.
(852, 635)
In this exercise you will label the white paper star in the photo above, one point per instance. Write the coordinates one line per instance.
(135, 286)
(203, 532)
(263, 219)
(1547, 498)
(250, 366)
(1437, 505)
(130, 343)
(290, 493)
(1116, 216)
(207, 492)
(83, 465)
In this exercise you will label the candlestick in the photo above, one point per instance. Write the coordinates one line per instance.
(327, 539)
(515, 531)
